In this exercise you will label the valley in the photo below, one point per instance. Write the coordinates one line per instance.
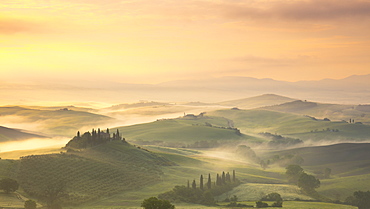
(257, 137)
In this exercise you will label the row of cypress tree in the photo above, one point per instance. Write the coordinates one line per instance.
(220, 180)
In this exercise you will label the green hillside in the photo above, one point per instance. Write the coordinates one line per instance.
(358, 113)
(293, 125)
(9, 134)
(62, 122)
(92, 173)
(347, 159)
(184, 131)
(257, 101)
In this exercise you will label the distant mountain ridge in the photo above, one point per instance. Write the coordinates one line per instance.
(351, 90)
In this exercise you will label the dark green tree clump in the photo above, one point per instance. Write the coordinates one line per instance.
(30, 204)
(360, 199)
(274, 197)
(93, 138)
(308, 183)
(280, 141)
(8, 185)
(202, 194)
(293, 172)
(155, 203)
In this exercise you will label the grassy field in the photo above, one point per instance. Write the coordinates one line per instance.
(305, 205)
(100, 171)
(183, 131)
(342, 187)
(11, 201)
(359, 113)
(253, 191)
(293, 125)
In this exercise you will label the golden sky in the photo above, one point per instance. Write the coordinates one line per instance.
(152, 41)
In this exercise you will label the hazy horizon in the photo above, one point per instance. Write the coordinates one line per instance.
(141, 41)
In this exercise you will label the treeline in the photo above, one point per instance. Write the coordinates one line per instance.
(94, 138)
(280, 141)
(203, 192)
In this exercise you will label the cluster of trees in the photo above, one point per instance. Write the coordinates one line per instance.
(94, 138)
(30, 204)
(237, 131)
(360, 199)
(247, 153)
(271, 197)
(155, 203)
(306, 182)
(282, 160)
(8, 185)
(279, 141)
(204, 192)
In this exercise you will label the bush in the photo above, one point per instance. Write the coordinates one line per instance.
(155, 203)
(8, 185)
(260, 204)
(30, 204)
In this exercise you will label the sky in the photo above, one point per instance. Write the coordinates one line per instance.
(153, 41)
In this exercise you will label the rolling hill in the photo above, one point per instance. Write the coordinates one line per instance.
(61, 122)
(293, 125)
(9, 134)
(257, 101)
(349, 164)
(189, 130)
(91, 173)
(358, 113)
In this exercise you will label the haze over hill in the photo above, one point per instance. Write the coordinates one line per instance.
(9, 134)
(354, 90)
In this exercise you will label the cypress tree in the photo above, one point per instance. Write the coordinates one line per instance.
(78, 134)
(218, 180)
(194, 185)
(201, 182)
(233, 175)
(117, 135)
(228, 179)
(209, 183)
(223, 177)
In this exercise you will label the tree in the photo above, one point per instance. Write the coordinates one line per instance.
(30, 204)
(155, 203)
(274, 197)
(201, 182)
(327, 173)
(218, 181)
(293, 172)
(223, 177)
(360, 199)
(308, 182)
(233, 175)
(194, 185)
(209, 183)
(9, 185)
(52, 194)
(260, 204)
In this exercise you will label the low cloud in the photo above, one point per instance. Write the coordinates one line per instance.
(301, 10)
(12, 26)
